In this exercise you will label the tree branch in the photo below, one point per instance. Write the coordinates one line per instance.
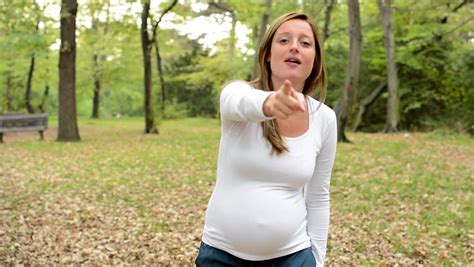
(222, 7)
(455, 9)
(457, 27)
(155, 26)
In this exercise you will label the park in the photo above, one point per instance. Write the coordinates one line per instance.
(110, 127)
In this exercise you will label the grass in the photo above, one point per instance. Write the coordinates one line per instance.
(120, 196)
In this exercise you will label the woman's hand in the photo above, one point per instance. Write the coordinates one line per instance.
(284, 102)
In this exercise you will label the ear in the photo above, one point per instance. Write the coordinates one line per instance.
(268, 57)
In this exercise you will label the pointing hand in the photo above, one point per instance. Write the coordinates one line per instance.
(284, 102)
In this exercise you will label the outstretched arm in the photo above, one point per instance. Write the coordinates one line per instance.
(240, 102)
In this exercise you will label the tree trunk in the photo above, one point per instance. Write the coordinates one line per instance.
(67, 125)
(327, 19)
(162, 79)
(263, 28)
(97, 59)
(150, 127)
(96, 97)
(43, 99)
(393, 103)
(366, 102)
(158, 56)
(28, 105)
(353, 69)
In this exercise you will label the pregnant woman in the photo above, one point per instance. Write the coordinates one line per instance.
(270, 204)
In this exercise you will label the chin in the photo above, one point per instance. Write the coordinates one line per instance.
(295, 78)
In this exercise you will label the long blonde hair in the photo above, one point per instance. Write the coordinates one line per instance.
(316, 80)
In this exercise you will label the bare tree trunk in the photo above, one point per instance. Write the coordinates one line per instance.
(366, 102)
(159, 66)
(263, 28)
(31, 70)
(353, 69)
(150, 126)
(96, 97)
(158, 56)
(327, 18)
(67, 126)
(393, 103)
(43, 99)
(28, 105)
(97, 58)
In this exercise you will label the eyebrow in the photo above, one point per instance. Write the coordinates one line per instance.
(283, 33)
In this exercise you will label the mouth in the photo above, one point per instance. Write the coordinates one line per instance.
(293, 60)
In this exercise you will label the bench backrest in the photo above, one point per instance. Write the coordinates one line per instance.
(23, 122)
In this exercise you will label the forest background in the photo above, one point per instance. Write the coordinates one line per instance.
(119, 196)
(203, 44)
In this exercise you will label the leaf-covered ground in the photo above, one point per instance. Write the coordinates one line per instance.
(121, 197)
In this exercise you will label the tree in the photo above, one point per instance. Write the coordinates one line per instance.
(38, 12)
(393, 103)
(20, 44)
(67, 125)
(261, 32)
(28, 105)
(158, 56)
(366, 102)
(353, 69)
(147, 45)
(327, 18)
(98, 57)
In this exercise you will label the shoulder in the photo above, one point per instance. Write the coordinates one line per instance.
(322, 110)
(237, 84)
(324, 119)
(234, 88)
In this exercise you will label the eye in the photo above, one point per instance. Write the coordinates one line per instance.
(283, 40)
(306, 43)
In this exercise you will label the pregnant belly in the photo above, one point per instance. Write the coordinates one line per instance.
(263, 223)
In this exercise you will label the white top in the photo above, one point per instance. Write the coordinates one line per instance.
(257, 210)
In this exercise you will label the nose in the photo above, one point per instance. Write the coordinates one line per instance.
(294, 46)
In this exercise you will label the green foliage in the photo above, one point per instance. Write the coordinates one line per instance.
(434, 55)
(20, 39)
(433, 68)
(433, 62)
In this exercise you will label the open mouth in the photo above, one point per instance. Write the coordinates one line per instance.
(293, 60)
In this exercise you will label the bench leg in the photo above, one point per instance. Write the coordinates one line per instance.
(41, 135)
(1, 137)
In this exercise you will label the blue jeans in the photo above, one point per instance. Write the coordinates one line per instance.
(212, 257)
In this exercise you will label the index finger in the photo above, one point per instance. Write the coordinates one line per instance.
(287, 89)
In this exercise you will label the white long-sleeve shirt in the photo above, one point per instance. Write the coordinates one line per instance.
(257, 210)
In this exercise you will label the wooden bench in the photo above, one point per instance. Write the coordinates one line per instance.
(15, 122)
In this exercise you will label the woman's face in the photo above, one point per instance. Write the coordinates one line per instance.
(292, 53)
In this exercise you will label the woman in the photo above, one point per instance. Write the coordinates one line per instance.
(275, 141)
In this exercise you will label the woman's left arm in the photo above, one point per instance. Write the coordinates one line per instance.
(317, 190)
